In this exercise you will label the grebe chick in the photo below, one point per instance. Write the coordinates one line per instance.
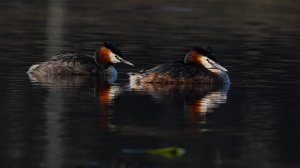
(198, 66)
(82, 64)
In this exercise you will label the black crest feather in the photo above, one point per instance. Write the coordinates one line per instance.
(113, 48)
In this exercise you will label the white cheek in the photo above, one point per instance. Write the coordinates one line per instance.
(113, 58)
(205, 63)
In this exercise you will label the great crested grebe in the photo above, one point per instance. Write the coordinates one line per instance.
(82, 64)
(198, 66)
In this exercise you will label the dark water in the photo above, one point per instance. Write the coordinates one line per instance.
(83, 122)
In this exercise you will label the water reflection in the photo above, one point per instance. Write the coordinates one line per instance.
(198, 99)
(199, 108)
(183, 111)
(195, 102)
(106, 96)
(105, 93)
(63, 81)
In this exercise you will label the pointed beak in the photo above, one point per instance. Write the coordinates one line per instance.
(127, 62)
(216, 65)
(124, 61)
(219, 67)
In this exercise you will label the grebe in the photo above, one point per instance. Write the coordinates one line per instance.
(82, 64)
(198, 66)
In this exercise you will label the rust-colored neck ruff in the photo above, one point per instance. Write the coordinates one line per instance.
(104, 55)
(193, 57)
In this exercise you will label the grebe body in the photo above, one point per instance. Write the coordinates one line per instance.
(81, 64)
(198, 66)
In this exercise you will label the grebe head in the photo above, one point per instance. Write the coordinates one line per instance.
(201, 56)
(109, 54)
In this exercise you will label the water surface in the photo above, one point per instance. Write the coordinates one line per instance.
(85, 122)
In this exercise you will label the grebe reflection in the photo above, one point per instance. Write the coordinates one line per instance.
(198, 99)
